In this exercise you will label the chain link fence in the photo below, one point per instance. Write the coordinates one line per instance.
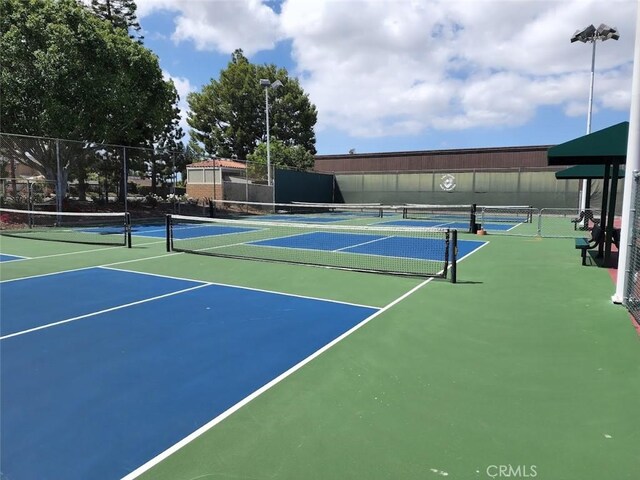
(248, 185)
(66, 175)
(533, 222)
(25, 193)
(632, 295)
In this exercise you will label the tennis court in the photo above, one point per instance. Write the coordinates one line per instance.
(142, 363)
(127, 374)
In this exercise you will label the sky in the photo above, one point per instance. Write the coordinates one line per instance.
(406, 75)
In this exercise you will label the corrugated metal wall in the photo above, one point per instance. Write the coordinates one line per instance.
(485, 176)
(508, 157)
(535, 188)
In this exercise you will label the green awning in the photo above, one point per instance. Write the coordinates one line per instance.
(604, 146)
(589, 172)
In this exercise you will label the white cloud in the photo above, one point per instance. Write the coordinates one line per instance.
(221, 25)
(184, 87)
(373, 68)
(389, 67)
(145, 7)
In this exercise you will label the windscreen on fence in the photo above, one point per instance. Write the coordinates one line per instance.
(296, 186)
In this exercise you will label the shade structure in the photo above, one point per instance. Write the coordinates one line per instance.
(604, 146)
(585, 172)
(606, 149)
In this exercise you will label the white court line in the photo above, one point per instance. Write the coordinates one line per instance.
(363, 243)
(516, 225)
(208, 426)
(262, 290)
(169, 254)
(46, 274)
(154, 461)
(16, 258)
(247, 242)
(92, 314)
(484, 244)
(341, 251)
(79, 252)
(92, 266)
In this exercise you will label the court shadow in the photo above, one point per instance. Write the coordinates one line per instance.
(598, 261)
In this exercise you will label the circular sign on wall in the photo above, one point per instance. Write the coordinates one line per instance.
(448, 182)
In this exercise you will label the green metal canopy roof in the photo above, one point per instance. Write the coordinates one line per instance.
(604, 146)
(589, 172)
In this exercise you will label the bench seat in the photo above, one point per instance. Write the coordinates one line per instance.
(584, 244)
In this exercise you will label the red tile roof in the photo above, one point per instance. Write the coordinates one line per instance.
(218, 162)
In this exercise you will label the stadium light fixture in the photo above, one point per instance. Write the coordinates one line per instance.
(266, 84)
(592, 34)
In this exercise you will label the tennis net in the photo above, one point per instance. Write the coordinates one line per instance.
(71, 227)
(424, 252)
(458, 214)
(289, 211)
(505, 214)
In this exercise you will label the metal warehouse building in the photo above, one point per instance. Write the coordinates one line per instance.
(486, 176)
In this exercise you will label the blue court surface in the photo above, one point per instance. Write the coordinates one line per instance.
(9, 258)
(367, 244)
(110, 368)
(443, 224)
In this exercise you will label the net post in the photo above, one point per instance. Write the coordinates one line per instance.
(473, 226)
(454, 256)
(212, 209)
(168, 234)
(127, 229)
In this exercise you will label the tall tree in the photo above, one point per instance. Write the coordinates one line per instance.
(169, 155)
(228, 115)
(68, 74)
(121, 14)
(282, 155)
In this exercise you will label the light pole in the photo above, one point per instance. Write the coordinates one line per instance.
(267, 85)
(592, 34)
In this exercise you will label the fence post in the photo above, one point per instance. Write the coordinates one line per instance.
(246, 181)
(540, 221)
(30, 205)
(58, 178)
(125, 177)
(274, 183)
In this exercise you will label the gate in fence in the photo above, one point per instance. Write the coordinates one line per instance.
(533, 222)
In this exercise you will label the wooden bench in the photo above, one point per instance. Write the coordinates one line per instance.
(584, 244)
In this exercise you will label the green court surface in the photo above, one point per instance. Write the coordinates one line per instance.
(524, 363)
